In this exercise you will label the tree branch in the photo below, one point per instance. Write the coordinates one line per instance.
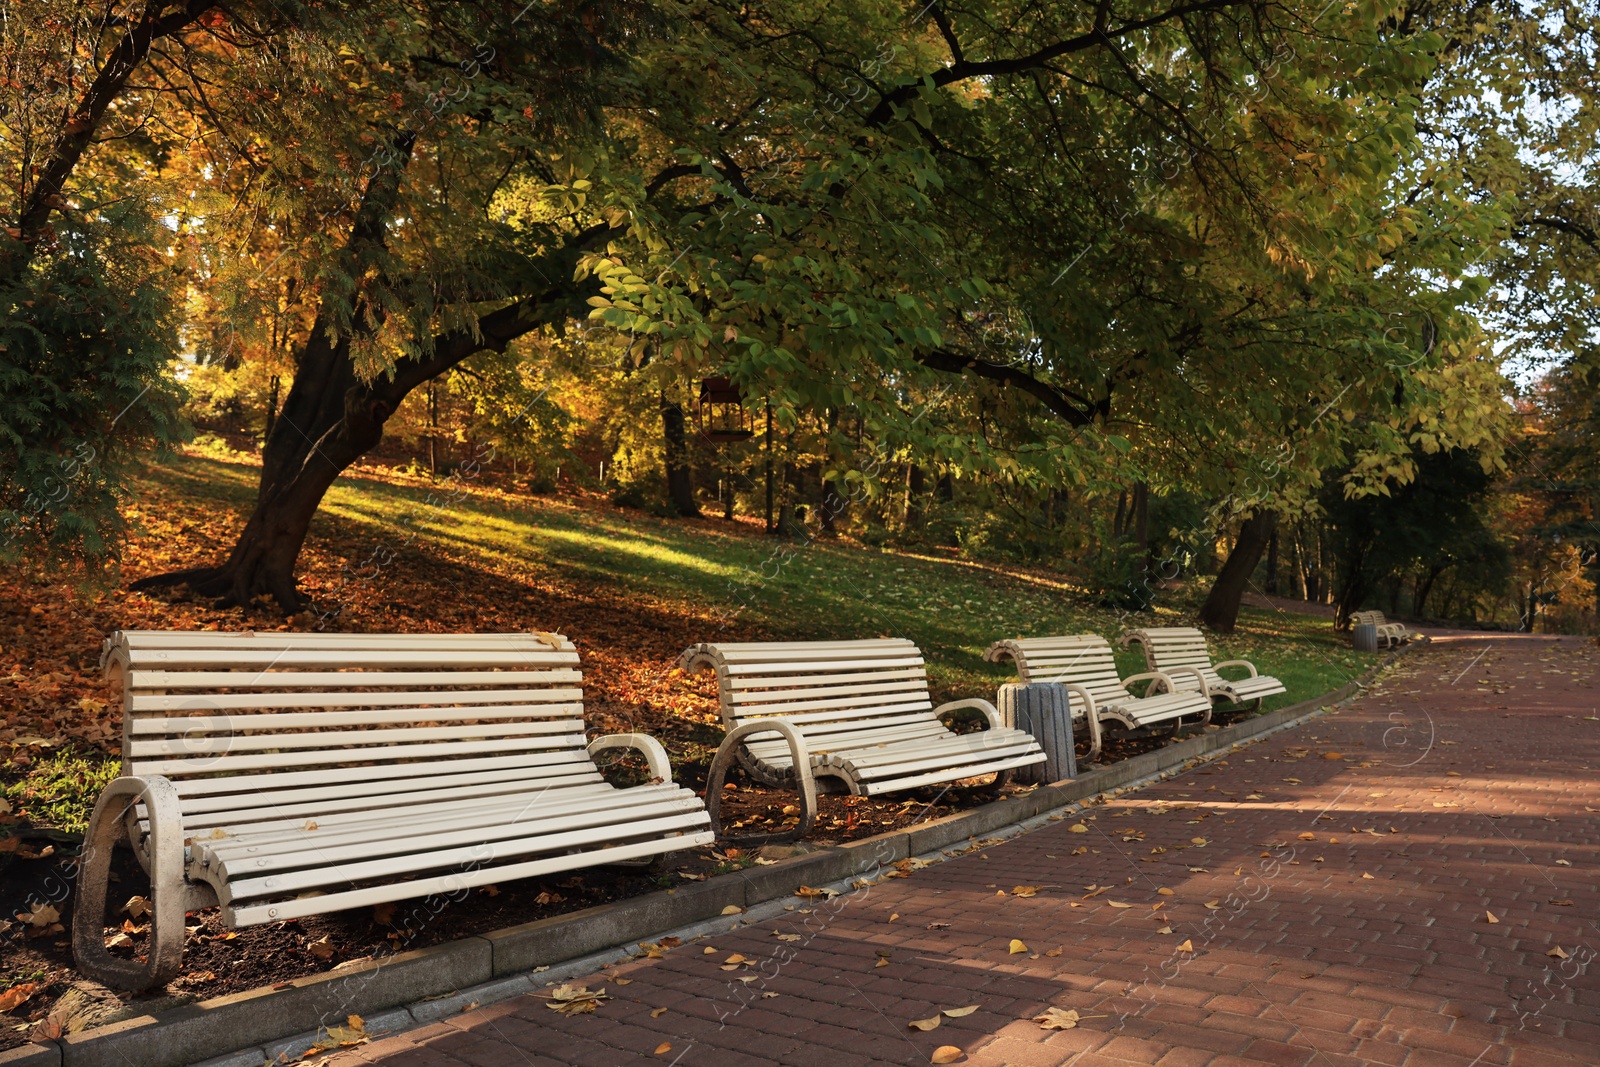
(1075, 410)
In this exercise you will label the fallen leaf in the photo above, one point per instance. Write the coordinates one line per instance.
(1197, 841)
(786, 937)
(658, 1013)
(1308, 837)
(945, 1054)
(1558, 952)
(733, 909)
(1562, 903)
(138, 907)
(321, 948)
(574, 1000)
(923, 1024)
(1118, 904)
(1017, 946)
(1077, 828)
(663, 1048)
(1368, 876)
(311, 824)
(1057, 1019)
(1024, 890)
(1213, 905)
(961, 1013)
(1489, 915)
(894, 916)
(14, 997)
(1187, 946)
(1332, 755)
(1164, 891)
(709, 951)
(1563, 863)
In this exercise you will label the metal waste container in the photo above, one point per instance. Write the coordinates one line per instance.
(1365, 637)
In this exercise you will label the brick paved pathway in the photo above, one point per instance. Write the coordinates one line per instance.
(1321, 898)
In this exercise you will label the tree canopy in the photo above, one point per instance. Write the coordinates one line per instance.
(1239, 249)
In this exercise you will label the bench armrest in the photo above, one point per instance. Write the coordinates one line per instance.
(1246, 664)
(1153, 677)
(169, 890)
(805, 781)
(644, 744)
(1091, 716)
(990, 712)
(1200, 679)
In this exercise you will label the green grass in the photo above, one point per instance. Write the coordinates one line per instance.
(60, 790)
(952, 608)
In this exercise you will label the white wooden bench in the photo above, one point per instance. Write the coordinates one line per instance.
(855, 715)
(1181, 652)
(1085, 666)
(1391, 633)
(280, 775)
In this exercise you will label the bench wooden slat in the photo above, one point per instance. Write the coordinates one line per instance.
(334, 680)
(189, 724)
(393, 701)
(207, 744)
(344, 872)
(256, 853)
(451, 883)
(206, 764)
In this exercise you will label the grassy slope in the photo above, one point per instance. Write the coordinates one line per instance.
(631, 589)
(952, 608)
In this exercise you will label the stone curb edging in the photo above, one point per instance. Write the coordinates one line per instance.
(380, 990)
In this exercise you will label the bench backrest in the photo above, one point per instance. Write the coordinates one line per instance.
(1365, 618)
(1079, 659)
(871, 684)
(345, 714)
(1167, 647)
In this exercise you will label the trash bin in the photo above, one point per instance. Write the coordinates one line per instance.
(1365, 637)
(1042, 709)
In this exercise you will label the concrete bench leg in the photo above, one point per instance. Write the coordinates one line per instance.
(807, 784)
(167, 891)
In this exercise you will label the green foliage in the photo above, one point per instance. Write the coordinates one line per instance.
(1431, 526)
(85, 342)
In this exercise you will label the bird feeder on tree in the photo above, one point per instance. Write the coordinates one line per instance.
(721, 416)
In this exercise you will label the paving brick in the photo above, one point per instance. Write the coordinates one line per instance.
(1326, 967)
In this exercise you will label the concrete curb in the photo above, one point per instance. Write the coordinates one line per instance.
(422, 985)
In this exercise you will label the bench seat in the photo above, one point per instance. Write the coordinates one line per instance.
(853, 716)
(1181, 652)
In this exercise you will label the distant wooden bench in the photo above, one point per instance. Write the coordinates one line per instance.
(1085, 666)
(281, 775)
(854, 714)
(1181, 652)
(1391, 633)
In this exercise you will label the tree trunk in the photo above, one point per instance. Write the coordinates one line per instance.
(1221, 610)
(916, 486)
(680, 479)
(1272, 563)
(433, 429)
(272, 410)
(331, 418)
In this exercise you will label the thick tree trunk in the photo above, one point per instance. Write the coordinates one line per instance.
(329, 420)
(680, 479)
(916, 487)
(1220, 612)
(1272, 563)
